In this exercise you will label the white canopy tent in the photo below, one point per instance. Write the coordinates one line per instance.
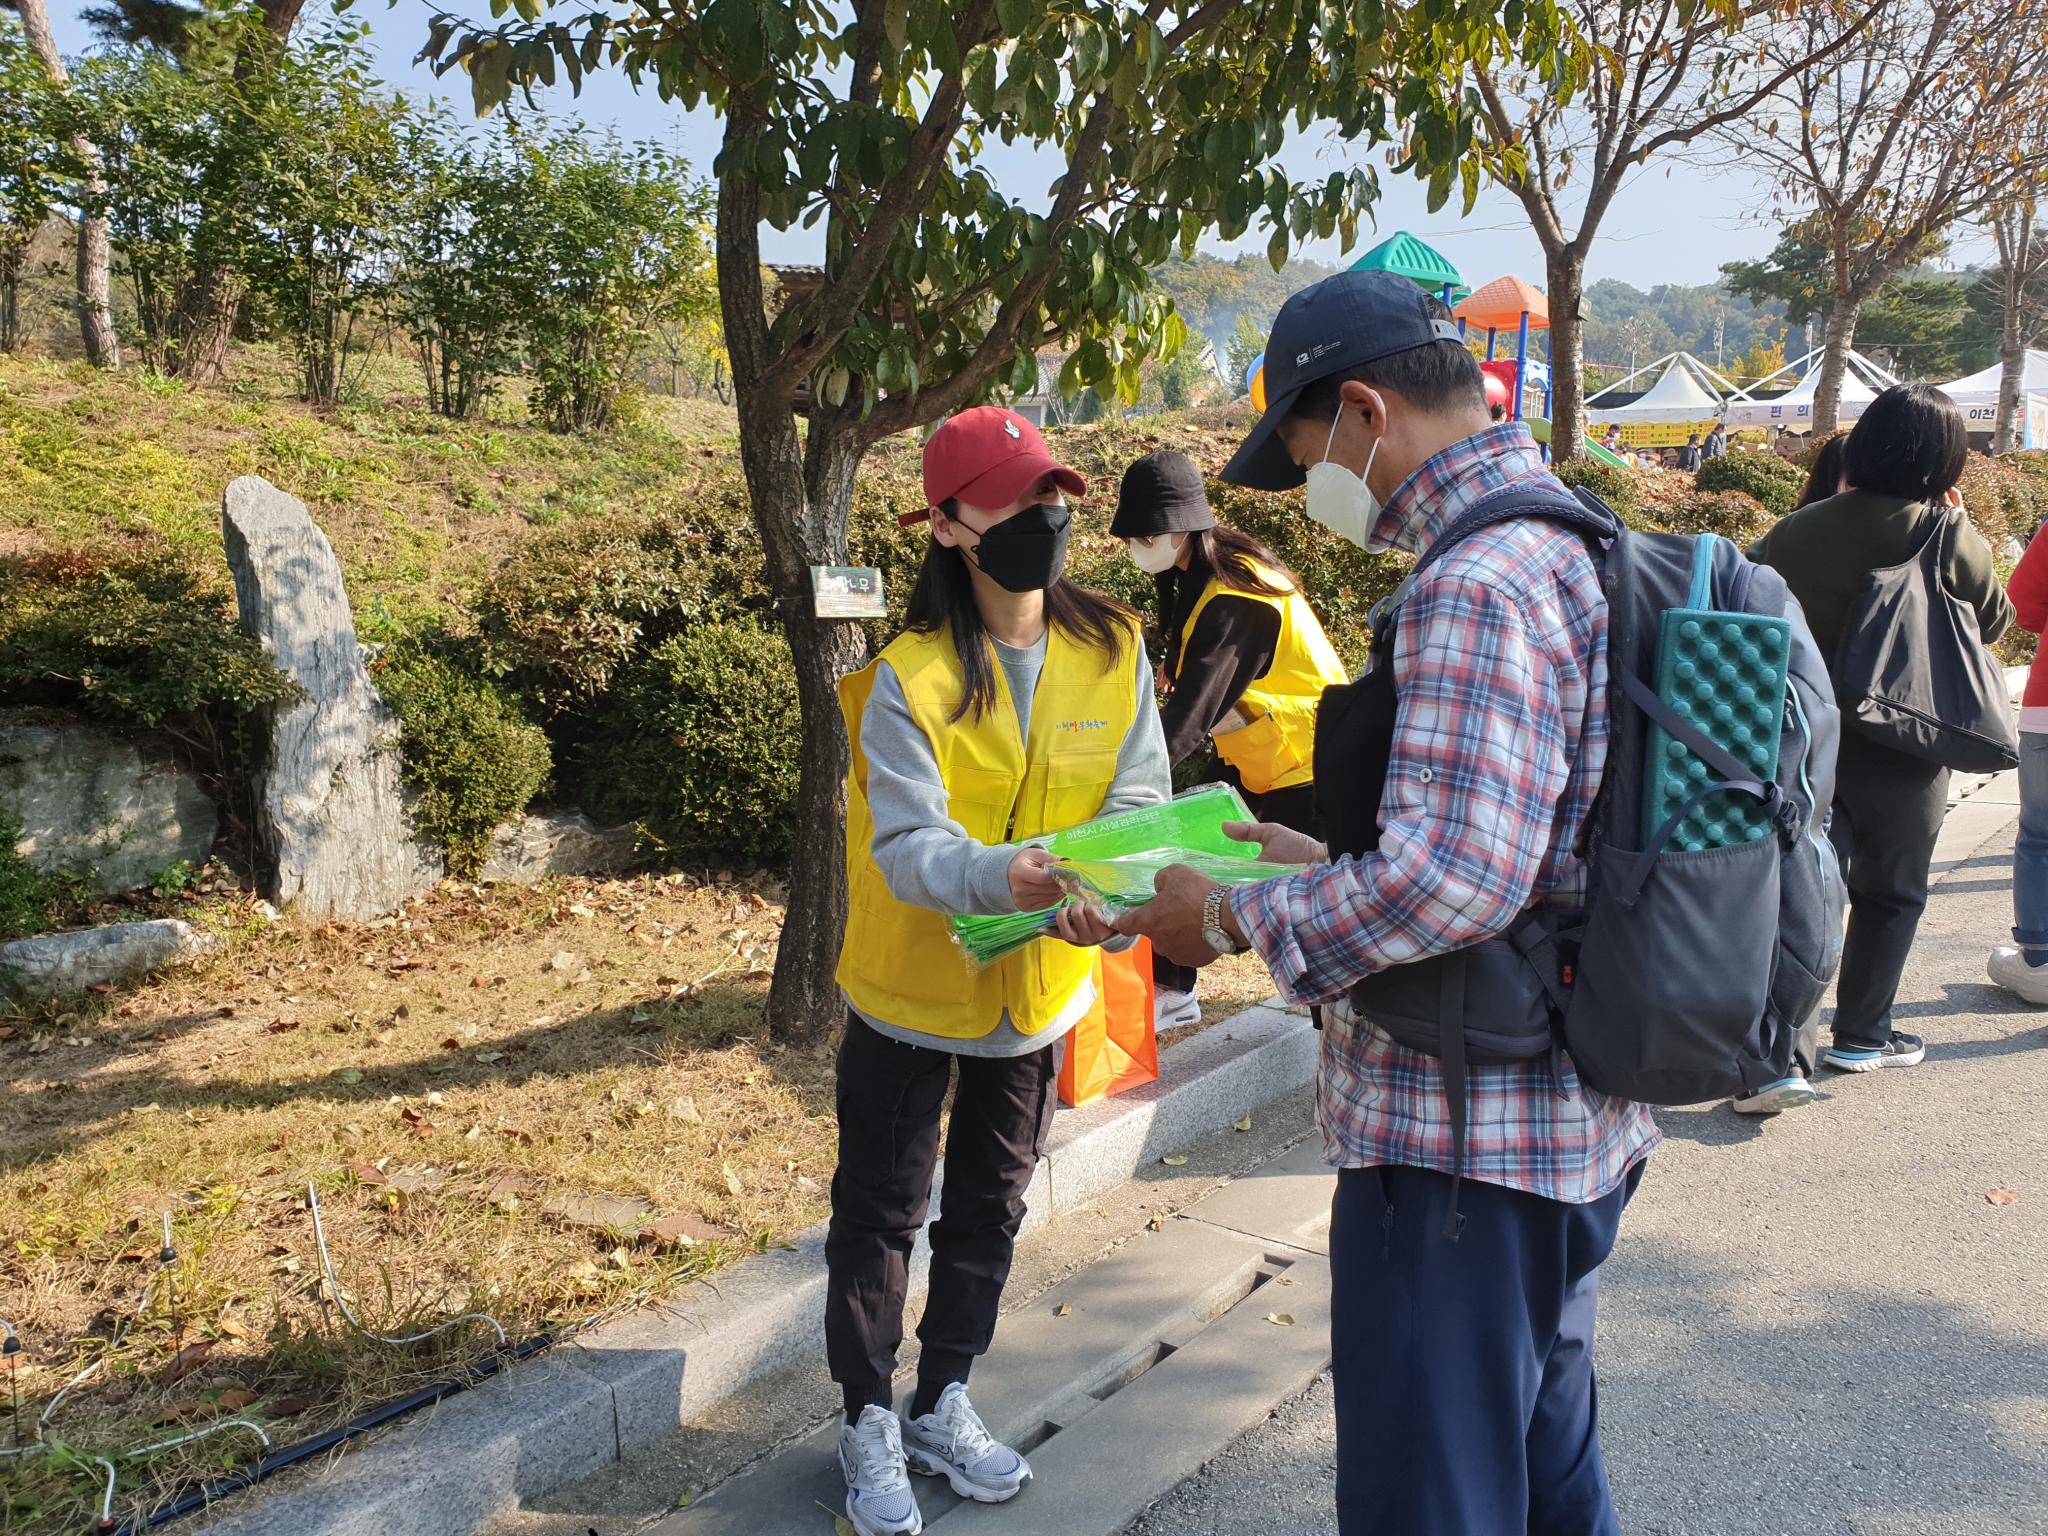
(1686, 391)
(1793, 410)
(1977, 395)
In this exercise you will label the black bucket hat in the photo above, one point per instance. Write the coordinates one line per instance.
(1161, 493)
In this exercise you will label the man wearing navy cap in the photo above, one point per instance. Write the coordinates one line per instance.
(1465, 1242)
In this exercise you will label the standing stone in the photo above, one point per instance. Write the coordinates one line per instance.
(119, 806)
(330, 802)
(533, 846)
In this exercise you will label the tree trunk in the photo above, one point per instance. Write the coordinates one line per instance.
(801, 493)
(1565, 273)
(2014, 228)
(1834, 363)
(95, 302)
(2012, 354)
(213, 299)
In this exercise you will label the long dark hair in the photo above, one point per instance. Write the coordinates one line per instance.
(1824, 479)
(943, 600)
(1233, 558)
(1911, 442)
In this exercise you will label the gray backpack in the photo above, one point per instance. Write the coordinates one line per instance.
(1712, 922)
(1912, 672)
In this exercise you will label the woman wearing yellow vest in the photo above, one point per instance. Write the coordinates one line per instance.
(1014, 704)
(1246, 660)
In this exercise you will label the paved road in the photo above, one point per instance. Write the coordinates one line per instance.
(1816, 1324)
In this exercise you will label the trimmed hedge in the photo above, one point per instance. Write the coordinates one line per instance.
(1621, 489)
(472, 760)
(703, 742)
(1773, 481)
(1731, 514)
(140, 639)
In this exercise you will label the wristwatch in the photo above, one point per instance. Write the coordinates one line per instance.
(1214, 934)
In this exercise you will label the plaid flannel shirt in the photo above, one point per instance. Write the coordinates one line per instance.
(1500, 664)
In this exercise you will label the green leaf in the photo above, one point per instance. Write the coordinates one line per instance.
(1276, 249)
(896, 25)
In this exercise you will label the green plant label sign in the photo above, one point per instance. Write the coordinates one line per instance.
(847, 592)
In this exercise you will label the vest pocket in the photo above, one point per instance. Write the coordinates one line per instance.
(1261, 752)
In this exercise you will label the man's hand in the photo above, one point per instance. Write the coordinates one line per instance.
(1032, 885)
(1172, 919)
(1278, 844)
(1082, 925)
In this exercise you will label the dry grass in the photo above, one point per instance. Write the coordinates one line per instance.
(467, 1085)
(443, 1081)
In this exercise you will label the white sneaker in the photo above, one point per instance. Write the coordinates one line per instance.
(1170, 1010)
(2029, 983)
(952, 1442)
(878, 1497)
(1786, 1093)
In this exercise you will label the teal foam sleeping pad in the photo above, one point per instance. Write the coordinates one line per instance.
(1726, 674)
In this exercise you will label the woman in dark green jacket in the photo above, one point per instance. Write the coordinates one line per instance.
(1901, 465)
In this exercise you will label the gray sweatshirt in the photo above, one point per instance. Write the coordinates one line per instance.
(928, 860)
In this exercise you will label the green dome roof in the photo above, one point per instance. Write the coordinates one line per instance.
(1402, 253)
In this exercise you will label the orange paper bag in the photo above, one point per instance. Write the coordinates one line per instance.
(1113, 1048)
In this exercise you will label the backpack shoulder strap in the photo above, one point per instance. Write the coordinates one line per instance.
(1581, 512)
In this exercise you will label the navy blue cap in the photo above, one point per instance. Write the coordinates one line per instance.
(1343, 322)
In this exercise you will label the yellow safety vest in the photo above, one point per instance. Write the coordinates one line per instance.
(898, 963)
(1277, 749)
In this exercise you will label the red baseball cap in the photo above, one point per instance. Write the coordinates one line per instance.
(988, 457)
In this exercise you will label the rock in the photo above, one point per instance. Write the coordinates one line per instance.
(55, 963)
(120, 806)
(532, 847)
(330, 802)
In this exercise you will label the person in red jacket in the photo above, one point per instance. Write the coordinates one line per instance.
(2021, 967)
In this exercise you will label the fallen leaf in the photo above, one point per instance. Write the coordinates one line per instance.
(348, 1075)
(1156, 1224)
(235, 1328)
(488, 1057)
(564, 960)
(281, 1026)
(286, 1407)
(524, 1138)
(1281, 1319)
(1174, 1162)
(1062, 1310)
(366, 1173)
(436, 1100)
(2003, 1196)
(7, 1031)
(619, 1258)
(451, 1044)
(187, 1360)
(1243, 1125)
(685, 1110)
(179, 1413)
(234, 1400)
(732, 1181)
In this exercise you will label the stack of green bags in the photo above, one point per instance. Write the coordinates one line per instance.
(1109, 864)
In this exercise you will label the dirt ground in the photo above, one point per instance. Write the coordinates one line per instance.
(535, 1104)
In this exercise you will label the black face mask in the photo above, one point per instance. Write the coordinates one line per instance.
(1027, 552)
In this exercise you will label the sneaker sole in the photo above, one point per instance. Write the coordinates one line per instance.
(1875, 1062)
(931, 1466)
(2029, 990)
(1776, 1104)
(861, 1529)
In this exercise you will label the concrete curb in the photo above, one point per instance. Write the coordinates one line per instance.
(454, 1466)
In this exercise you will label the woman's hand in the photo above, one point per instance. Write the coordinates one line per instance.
(1278, 844)
(1082, 925)
(1952, 498)
(1032, 885)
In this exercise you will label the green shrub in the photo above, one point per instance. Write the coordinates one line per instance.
(1621, 489)
(471, 759)
(1731, 514)
(1771, 480)
(33, 900)
(141, 639)
(1989, 501)
(702, 739)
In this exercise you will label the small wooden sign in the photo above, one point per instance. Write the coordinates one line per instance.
(847, 592)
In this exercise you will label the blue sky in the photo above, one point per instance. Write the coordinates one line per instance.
(1673, 223)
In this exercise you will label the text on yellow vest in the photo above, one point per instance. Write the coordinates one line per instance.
(898, 963)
